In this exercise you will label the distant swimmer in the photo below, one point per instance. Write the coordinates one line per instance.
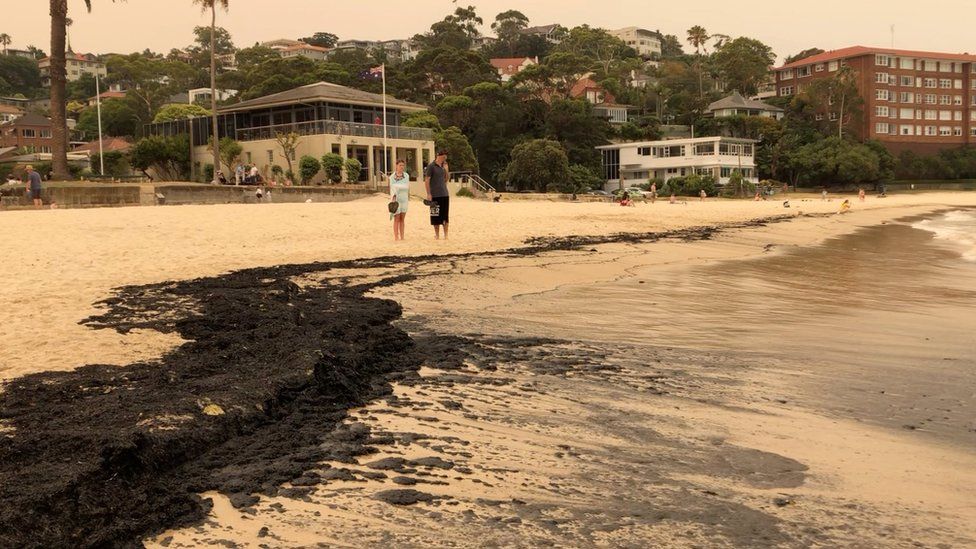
(861, 194)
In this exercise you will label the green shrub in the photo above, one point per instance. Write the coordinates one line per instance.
(582, 179)
(309, 167)
(332, 165)
(208, 173)
(738, 186)
(466, 192)
(354, 170)
(689, 185)
(116, 164)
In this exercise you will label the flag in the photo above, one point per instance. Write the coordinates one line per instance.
(375, 73)
(376, 70)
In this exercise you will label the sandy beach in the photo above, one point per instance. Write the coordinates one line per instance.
(753, 385)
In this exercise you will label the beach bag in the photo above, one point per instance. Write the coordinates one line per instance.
(393, 206)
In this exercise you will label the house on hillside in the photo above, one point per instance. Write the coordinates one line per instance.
(604, 103)
(737, 105)
(508, 67)
(75, 65)
(549, 32)
(317, 53)
(646, 43)
(9, 113)
(105, 96)
(329, 118)
(30, 133)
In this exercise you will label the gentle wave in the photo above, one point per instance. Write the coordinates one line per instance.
(957, 227)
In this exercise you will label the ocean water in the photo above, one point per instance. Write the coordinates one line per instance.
(956, 228)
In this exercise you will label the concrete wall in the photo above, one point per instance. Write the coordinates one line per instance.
(90, 195)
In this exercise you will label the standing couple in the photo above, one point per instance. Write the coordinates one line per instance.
(438, 196)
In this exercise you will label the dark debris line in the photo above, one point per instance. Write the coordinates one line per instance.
(107, 455)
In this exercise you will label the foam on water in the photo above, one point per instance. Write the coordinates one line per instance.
(956, 227)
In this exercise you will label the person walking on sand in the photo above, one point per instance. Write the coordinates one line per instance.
(860, 194)
(399, 191)
(653, 193)
(823, 195)
(701, 195)
(34, 186)
(435, 181)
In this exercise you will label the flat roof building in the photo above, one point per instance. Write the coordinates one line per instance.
(75, 65)
(646, 43)
(913, 100)
(637, 162)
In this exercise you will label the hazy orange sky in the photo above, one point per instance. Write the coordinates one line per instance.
(935, 25)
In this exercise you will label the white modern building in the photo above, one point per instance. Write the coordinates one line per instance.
(646, 43)
(202, 95)
(637, 162)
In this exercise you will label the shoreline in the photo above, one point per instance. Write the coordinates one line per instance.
(260, 288)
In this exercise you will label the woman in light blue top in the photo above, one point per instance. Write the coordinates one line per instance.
(399, 191)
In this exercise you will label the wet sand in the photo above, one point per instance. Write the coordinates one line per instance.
(569, 397)
(591, 405)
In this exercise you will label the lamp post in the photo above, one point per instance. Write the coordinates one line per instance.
(98, 108)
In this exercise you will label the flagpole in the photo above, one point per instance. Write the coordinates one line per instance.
(386, 169)
(98, 106)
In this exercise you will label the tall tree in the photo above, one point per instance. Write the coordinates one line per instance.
(321, 39)
(743, 64)
(838, 94)
(5, 41)
(671, 47)
(212, 6)
(698, 37)
(508, 27)
(809, 52)
(58, 75)
(604, 49)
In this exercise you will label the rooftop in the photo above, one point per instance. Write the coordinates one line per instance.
(682, 141)
(856, 51)
(322, 91)
(737, 101)
(29, 119)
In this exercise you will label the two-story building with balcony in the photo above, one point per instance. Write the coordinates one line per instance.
(637, 162)
(329, 118)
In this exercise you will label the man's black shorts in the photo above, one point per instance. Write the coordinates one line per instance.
(440, 210)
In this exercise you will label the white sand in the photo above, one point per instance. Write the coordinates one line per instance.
(60, 262)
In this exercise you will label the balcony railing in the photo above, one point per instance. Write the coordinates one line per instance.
(335, 127)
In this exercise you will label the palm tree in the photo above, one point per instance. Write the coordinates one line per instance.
(5, 41)
(58, 76)
(212, 6)
(698, 37)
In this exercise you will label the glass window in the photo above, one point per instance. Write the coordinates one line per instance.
(881, 128)
(945, 115)
(907, 80)
(27, 132)
(881, 95)
(957, 84)
(881, 111)
(881, 77)
(957, 131)
(907, 114)
(907, 130)
(931, 130)
(945, 83)
(881, 60)
(832, 66)
(705, 149)
(907, 97)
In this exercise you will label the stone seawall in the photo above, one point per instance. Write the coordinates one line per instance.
(94, 195)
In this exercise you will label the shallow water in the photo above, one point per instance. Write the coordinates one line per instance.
(876, 325)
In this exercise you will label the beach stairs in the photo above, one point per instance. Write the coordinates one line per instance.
(478, 186)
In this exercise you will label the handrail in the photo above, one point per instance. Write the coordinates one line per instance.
(334, 127)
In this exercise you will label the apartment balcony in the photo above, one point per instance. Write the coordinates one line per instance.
(334, 127)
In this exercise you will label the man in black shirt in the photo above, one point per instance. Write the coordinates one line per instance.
(435, 179)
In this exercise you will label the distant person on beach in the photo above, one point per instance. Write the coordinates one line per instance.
(861, 195)
(823, 195)
(239, 174)
(786, 203)
(34, 186)
(845, 206)
(653, 193)
(702, 195)
(757, 198)
(222, 178)
(625, 200)
(400, 192)
(435, 181)
(254, 175)
(672, 200)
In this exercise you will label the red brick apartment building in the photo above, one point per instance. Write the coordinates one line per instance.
(30, 133)
(913, 100)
